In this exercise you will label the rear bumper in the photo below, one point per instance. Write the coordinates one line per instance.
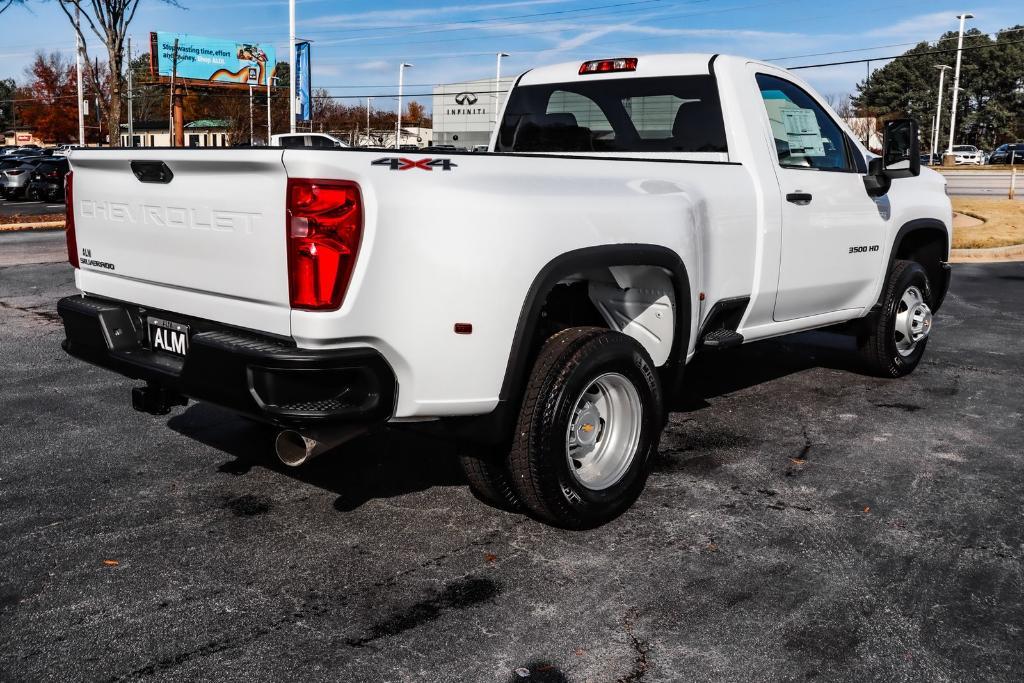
(249, 373)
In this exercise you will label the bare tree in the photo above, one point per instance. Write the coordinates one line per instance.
(109, 20)
(7, 4)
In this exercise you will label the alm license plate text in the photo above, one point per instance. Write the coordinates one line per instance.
(168, 336)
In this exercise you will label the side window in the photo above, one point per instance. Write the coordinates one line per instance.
(805, 136)
(293, 141)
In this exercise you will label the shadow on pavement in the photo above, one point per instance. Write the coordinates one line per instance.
(714, 374)
(382, 465)
(396, 462)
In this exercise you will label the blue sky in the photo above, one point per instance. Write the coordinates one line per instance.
(358, 45)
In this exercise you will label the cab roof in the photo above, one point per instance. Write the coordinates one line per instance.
(687, 64)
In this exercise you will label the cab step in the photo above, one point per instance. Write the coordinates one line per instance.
(721, 339)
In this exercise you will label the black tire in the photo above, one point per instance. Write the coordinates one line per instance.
(566, 366)
(877, 341)
(489, 478)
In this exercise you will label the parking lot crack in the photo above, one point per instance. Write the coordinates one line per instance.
(37, 311)
(640, 648)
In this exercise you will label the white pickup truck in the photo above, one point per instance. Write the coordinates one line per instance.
(539, 301)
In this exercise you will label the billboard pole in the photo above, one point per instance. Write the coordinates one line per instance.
(170, 105)
(291, 70)
(250, 115)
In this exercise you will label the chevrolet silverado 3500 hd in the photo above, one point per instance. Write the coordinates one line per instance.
(539, 301)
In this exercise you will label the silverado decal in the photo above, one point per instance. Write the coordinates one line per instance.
(403, 164)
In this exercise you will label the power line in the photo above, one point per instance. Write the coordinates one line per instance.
(905, 56)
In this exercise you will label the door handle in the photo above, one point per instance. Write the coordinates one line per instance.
(800, 198)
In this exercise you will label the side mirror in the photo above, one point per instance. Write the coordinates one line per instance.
(876, 182)
(901, 149)
(901, 157)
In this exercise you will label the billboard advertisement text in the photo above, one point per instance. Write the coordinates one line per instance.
(211, 59)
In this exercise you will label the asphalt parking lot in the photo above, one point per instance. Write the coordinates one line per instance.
(804, 521)
(22, 207)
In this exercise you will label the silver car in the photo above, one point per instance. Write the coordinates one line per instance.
(14, 180)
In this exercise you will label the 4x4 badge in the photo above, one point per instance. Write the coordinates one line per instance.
(403, 164)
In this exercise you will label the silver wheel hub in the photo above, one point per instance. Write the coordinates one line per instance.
(604, 431)
(913, 321)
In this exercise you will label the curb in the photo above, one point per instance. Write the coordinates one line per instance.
(1014, 252)
(23, 227)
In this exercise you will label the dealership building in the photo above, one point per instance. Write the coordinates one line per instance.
(464, 112)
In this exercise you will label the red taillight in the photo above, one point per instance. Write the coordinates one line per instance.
(604, 66)
(325, 224)
(69, 221)
(15, 172)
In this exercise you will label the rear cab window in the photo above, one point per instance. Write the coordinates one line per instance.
(626, 115)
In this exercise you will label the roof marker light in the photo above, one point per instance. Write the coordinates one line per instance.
(604, 66)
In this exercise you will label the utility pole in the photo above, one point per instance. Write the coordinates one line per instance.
(949, 159)
(497, 88)
(292, 65)
(938, 113)
(398, 124)
(368, 140)
(270, 128)
(131, 94)
(78, 70)
(99, 113)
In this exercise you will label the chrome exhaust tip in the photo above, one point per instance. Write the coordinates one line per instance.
(296, 448)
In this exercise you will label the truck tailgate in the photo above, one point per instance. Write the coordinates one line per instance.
(213, 230)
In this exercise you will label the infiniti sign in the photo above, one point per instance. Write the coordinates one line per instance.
(465, 98)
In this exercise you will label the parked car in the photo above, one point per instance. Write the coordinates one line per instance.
(47, 181)
(967, 154)
(1008, 153)
(539, 302)
(305, 140)
(14, 180)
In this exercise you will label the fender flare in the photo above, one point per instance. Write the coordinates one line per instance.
(941, 276)
(589, 258)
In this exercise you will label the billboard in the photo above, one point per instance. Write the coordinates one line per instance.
(303, 84)
(211, 59)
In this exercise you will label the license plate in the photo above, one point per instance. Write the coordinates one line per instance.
(169, 337)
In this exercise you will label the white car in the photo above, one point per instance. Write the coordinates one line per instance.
(539, 302)
(968, 154)
(306, 140)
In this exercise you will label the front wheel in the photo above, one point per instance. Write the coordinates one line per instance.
(894, 340)
(588, 427)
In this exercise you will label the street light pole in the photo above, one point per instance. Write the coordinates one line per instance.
(369, 140)
(956, 87)
(943, 68)
(131, 97)
(292, 64)
(398, 125)
(78, 70)
(497, 88)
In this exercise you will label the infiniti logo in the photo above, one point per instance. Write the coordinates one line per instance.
(465, 98)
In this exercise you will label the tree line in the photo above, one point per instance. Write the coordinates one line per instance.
(990, 107)
(46, 102)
